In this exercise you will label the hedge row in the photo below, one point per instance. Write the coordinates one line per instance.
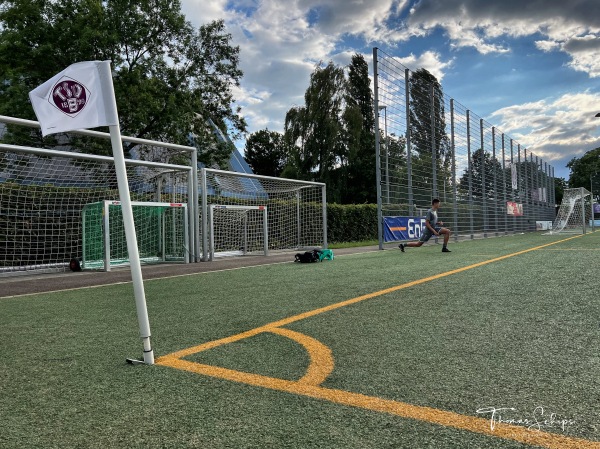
(351, 222)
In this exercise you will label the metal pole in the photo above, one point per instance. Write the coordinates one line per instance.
(470, 165)
(387, 157)
(582, 208)
(454, 188)
(324, 201)
(483, 191)
(298, 220)
(504, 186)
(495, 180)
(592, 202)
(204, 213)
(266, 231)
(434, 193)
(519, 174)
(377, 148)
(194, 211)
(408, 143)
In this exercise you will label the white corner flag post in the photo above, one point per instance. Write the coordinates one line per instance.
(82, 96)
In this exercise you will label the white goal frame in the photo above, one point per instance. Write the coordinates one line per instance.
(572, 213)
(297, 209)
(107, 261)
(243, 251)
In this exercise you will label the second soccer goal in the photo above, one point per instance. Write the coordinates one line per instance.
(161, 231)
(238, 230)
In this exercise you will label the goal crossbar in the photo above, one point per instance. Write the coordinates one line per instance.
(237, 230)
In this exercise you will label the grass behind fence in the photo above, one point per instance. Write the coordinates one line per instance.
(520, 332)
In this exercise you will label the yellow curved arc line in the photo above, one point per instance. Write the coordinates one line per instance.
(321, 359)
(402, 409)
(421, 413)
(311, 313)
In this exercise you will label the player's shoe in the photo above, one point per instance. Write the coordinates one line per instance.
(401, 246)
(446, 250)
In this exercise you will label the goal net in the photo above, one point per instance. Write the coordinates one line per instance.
(297, 210)
(575, 212)
(161, 230)
(238, 230)
(43, 191)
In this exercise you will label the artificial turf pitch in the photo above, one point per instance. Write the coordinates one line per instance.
(379, 350)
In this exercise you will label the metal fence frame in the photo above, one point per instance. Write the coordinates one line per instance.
(476, 170)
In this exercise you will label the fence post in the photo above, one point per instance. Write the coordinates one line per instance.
(377, 148)
(454, 187)
(470, 165)
(411, 210)
(483, 190)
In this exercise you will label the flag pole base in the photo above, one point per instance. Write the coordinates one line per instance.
(148, 359)
(135, 362)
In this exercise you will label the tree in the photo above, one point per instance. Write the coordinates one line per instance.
(332, 136)
(583, 168)
(266, 152)
(428, 130)
(169, 77)
(479, 167)
(313, 130)
(427, 115)
(359, 126)
(560, 184)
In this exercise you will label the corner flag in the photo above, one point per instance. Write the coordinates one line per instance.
(74, 99)
(83, 96)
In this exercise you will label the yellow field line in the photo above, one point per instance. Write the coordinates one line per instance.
(321, 360)
(322, 364)
(311, 313)
(402, 409)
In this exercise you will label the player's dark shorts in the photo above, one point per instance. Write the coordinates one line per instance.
(427, 234)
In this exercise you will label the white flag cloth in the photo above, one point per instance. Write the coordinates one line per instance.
(79, 97)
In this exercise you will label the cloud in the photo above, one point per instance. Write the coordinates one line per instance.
(202, 11)
(555, 129)
(430, 60)
(282, 41)
(570, 27)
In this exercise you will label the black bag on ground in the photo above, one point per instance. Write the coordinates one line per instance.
(308, 257)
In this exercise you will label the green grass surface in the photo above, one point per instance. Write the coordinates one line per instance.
(353, 244)
(522, 332)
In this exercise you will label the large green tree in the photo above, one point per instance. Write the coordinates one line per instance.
(266, 152)
(331, 137)
(359, 126)
(586, 171)
(428, 135)
(314, 129)
(482, 169)
(169, 77)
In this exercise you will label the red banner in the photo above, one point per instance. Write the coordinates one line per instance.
(515, 209)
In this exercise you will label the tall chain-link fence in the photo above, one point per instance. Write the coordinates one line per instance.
(430, 146)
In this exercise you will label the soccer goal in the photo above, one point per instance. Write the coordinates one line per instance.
(238, 230)
(161, 229)
(575, 212)
(297, 216)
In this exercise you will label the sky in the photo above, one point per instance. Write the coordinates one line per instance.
(531, 68)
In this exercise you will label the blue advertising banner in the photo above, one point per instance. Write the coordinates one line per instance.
(402, 228)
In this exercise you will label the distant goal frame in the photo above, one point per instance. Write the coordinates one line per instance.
(105, 264)
(243, 251)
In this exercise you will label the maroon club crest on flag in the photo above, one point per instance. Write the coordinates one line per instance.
(69, 96)
(79, 97)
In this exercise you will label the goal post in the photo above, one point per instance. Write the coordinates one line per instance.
(574, 213)
(297, 210)
(238, 230)
(161, 228)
